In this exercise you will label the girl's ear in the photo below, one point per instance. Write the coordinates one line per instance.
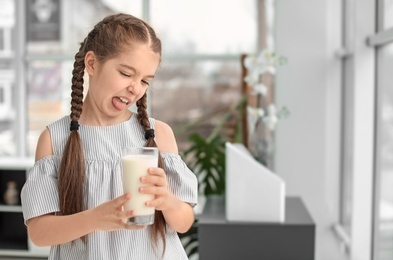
(90, 59)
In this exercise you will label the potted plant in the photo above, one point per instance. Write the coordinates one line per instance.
(244, 122)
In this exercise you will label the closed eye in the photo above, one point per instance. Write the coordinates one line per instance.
(145, 82)
(125, 74)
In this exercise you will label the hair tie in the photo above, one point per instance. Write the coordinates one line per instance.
(74, 125)
(149, 133)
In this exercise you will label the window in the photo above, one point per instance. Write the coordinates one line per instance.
(201, 70)
(53, 33)
(8, 94)
(199, 59)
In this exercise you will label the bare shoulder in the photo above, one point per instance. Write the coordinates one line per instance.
(165, 137)
(44, 145)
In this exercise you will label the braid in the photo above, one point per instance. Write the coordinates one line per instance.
(159, 226)
(143, 118)
(77, 85)
(72, 166)
(92, 34)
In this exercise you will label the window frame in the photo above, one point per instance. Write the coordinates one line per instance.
(381, 38)
(362, 24)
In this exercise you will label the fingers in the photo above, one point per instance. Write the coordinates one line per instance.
(157, 172)
(155, 203)
(156, 177)
(158, 191)
(157, 185)
(119, 201)
(111, 215)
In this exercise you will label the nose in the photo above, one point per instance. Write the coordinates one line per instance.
(134, 88)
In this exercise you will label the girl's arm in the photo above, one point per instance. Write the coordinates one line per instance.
(179, 215)
(48, 230)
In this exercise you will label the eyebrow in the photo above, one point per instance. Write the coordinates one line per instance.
(134, 70)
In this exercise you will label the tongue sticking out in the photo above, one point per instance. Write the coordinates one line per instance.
(118, 104)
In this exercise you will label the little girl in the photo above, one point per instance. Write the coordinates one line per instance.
(73, 197)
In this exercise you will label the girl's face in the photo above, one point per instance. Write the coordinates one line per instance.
(119, 82)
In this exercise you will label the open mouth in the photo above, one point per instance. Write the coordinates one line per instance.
(124, 100)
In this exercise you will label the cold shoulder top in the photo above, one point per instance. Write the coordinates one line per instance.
(102, 150)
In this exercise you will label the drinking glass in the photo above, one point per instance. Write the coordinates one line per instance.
(135, 163)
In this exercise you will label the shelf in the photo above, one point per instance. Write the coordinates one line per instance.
(10, 208)
(13, 244)
(23, 253)
(16, 163)
(21, 248)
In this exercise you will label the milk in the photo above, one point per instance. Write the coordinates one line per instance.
(134, 167)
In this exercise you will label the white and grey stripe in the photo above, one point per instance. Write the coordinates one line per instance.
(102, 150)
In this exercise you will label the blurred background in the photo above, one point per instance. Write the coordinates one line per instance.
(333, 146)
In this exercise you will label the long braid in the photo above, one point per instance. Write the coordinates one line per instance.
(72, 166)
(159, 225)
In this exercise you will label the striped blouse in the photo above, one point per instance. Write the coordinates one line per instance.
(102, 150)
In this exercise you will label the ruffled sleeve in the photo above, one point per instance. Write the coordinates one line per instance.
(40, 194)
(182, 181)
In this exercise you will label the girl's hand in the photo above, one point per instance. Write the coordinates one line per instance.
(159, 187)
(111, 216)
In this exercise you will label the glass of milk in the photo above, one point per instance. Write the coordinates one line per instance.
(135, 162)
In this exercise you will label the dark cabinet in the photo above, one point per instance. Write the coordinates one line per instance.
(14, 240)
(293, 239)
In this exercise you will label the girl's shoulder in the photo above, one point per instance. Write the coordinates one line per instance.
(165, 137)
(44, 145)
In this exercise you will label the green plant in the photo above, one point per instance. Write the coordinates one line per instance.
(206, 156)
(208, 162)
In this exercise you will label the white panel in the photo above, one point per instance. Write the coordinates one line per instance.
(253, 192)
